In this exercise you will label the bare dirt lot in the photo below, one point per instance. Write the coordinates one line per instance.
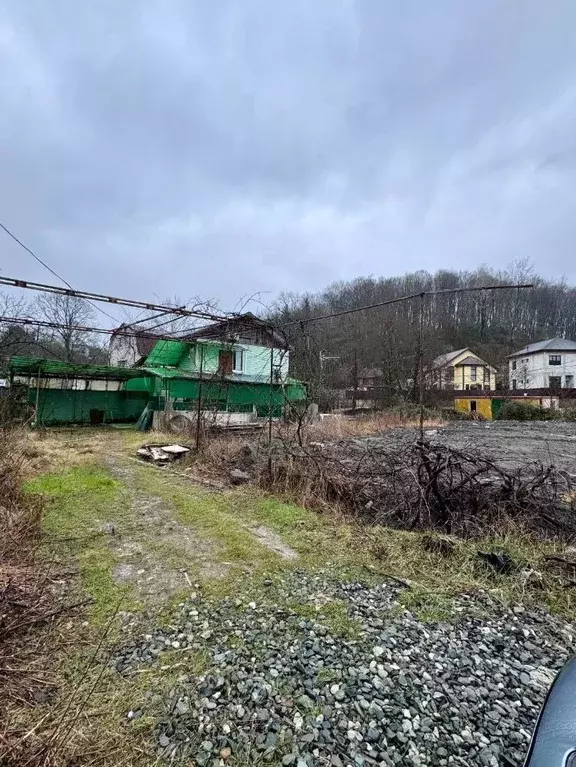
(509, 443)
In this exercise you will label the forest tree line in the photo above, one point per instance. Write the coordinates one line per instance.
(492, 323)
(333, 352)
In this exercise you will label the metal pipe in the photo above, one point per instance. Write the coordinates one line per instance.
(89, 296)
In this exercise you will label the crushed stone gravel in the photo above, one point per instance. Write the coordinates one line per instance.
(379, 688)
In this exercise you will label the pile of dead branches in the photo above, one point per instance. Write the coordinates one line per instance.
(432, 486)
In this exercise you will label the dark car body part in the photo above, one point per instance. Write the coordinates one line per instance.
(554, 739)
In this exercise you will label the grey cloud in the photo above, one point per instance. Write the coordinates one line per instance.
(220, 148)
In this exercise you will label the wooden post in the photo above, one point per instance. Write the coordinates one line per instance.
(421, 365)
(355, 382)
(271, 396)
(199, 406)
(38, 395)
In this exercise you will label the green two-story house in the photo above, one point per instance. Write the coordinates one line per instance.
(238, 371)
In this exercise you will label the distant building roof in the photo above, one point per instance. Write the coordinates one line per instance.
(447, 359)
(551, 345)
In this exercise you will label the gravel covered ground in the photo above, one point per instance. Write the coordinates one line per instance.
(318, 671)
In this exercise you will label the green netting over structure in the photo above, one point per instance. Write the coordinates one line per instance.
(31, 366)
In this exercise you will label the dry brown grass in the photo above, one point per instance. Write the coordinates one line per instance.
(48, 450)
(27, 605)
(335, 427)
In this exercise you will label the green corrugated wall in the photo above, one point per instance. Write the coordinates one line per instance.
(69, 406)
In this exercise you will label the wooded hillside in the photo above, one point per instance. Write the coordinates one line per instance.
(493, 323)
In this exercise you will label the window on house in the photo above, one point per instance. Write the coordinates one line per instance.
(555, 382)
(473, 372)
(569, 382)
(513, 364)
(238, 361)
(554, 359)
(514, 383)
(122, 363)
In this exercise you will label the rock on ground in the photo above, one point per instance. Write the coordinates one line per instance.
(375, 687)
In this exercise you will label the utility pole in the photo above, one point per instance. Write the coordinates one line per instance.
(421, 365)
(323, 358)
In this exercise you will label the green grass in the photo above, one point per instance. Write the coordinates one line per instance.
(80, 502)
(82, 499)
(224, 518)
(428, 606)
(333, 615)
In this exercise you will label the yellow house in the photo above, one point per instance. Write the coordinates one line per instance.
(462, 370)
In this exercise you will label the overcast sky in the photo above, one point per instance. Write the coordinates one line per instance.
(221, 148)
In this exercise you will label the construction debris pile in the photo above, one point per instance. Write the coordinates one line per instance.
(162, 454)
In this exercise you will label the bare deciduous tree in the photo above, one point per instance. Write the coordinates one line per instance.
(68, 312)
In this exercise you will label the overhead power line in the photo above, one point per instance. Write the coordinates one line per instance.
(420, 294)
(27, 249)
(89, 296)
(46, 266)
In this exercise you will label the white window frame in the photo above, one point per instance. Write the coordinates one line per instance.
(235, 354)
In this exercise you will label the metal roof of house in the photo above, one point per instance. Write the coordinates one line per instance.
(445, 359)
(59, 368)
(550, 345)
(449, 357)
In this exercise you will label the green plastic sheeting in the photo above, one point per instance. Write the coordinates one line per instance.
(167, 353)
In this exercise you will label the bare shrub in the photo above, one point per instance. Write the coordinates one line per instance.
(423, 487)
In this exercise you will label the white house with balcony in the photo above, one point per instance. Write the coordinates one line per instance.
(547, 364)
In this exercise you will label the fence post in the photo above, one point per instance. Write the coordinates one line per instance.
(199, 407)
